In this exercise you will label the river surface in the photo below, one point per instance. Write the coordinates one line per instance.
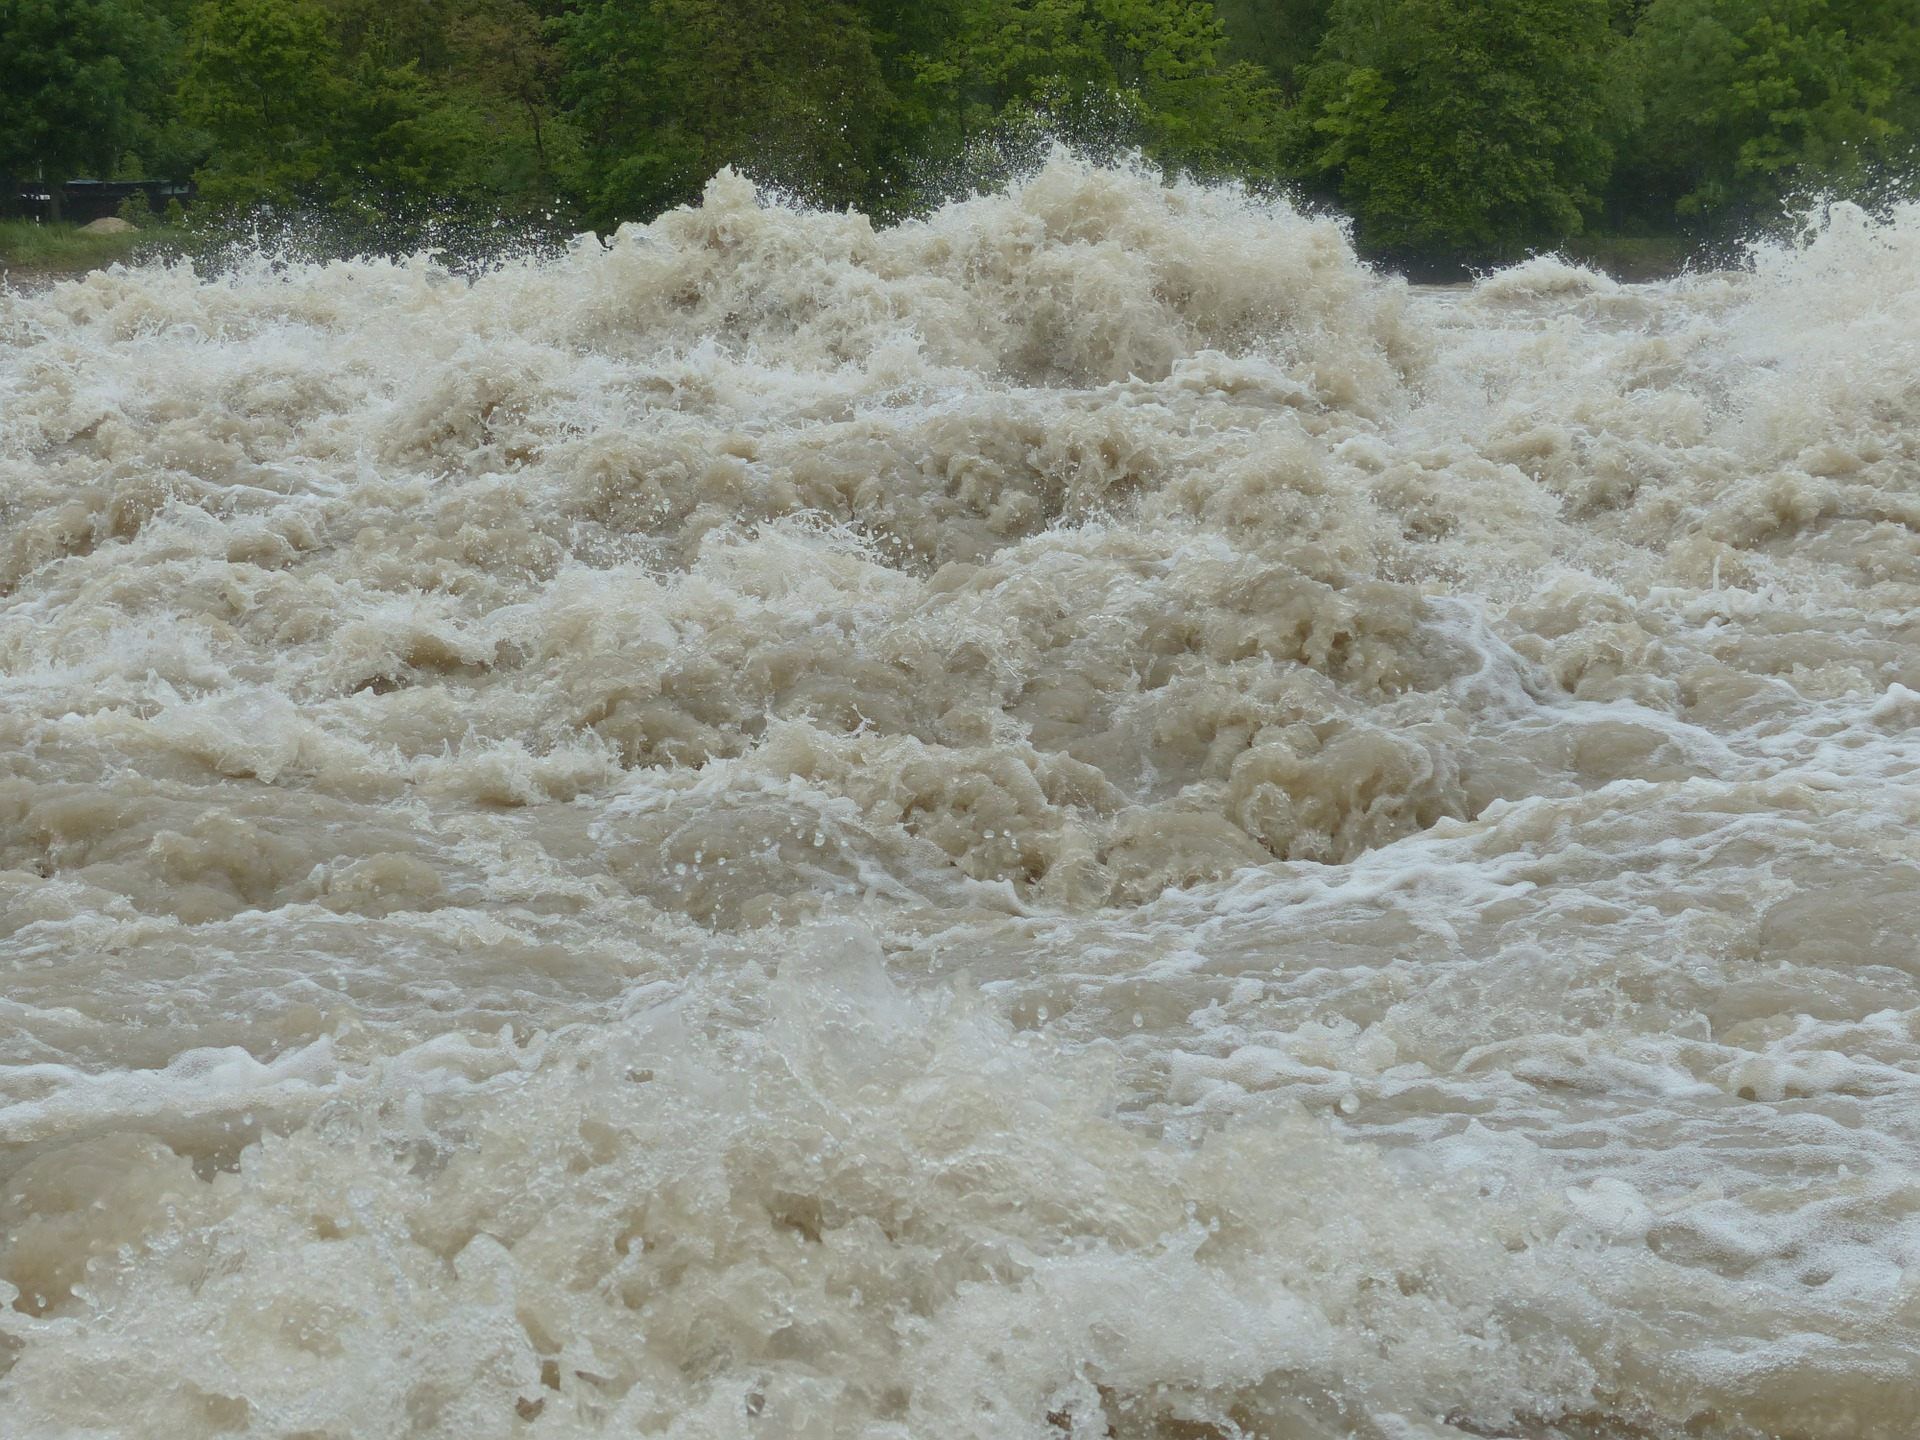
(1082, 818)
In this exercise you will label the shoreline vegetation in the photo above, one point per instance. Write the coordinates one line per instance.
(1459, 135)
(34, 252)
(32, 249)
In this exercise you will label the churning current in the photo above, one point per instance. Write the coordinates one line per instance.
(1079, 818)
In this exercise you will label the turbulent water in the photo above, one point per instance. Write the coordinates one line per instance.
(1078, 818)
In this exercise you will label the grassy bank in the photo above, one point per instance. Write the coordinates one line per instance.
(67, 249)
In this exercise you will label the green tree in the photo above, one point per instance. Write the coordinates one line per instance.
(668, 91)
(262, 82)
(1746, 101)
(419, 32)
(1449, 127)
(1157, 71)
(343, 104)
(1280, 36)
(509, 71)
(83, 78)
(451, 102)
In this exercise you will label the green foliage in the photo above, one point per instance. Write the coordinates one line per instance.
(82, 80)
(854, 103)
(668, 91)
(1448, 128)
(1280, 36)
(505, 78)
(1453, 127)
(336, 103)
(1155, 71)
(1746, 101)
(262, 83)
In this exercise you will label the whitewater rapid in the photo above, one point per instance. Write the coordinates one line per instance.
(1078, 818)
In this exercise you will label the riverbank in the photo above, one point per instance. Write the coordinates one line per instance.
(35, 252)
(1628, 259)
(28, 248)
(1634, 259)
(32, 251)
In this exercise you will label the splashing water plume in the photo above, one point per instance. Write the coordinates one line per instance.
(1078, 818)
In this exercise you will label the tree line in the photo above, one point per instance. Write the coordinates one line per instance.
(1446, 128)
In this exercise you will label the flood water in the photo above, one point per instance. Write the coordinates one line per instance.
(1078, 818)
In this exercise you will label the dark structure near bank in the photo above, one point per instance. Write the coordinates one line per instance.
(80, 201)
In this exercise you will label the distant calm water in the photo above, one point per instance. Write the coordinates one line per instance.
(1077, 819)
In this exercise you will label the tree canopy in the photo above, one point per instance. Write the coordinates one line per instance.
(85, 81)
(1447, 128)
(1746, 101)
(1456, 126)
